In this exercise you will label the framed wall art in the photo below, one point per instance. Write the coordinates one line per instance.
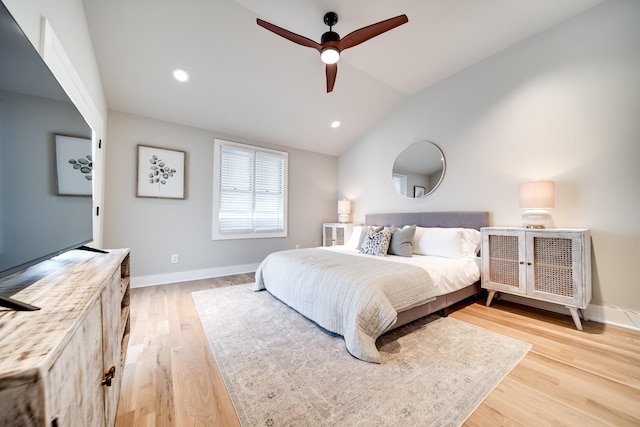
(161, 173)
(74, 166)
(419, 191)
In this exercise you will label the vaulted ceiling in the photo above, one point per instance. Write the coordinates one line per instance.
(250, 83)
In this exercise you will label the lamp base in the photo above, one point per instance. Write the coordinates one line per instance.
(343, 218)
(535, 218)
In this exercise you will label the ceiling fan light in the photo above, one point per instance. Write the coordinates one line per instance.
(330, 55)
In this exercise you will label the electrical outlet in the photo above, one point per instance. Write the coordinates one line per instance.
(174, 259)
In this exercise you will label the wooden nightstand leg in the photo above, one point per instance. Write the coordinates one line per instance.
(490, 297)
(575, 313)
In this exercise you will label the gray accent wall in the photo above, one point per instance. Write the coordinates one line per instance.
(563, 106)
(154, 229)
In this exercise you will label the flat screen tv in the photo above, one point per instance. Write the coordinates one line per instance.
(45, 209)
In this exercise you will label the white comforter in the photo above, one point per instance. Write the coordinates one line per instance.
(355, 296)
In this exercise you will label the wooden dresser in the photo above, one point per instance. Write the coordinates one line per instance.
(62, 365)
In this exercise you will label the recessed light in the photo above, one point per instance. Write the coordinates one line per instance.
(335, 124)
(180, 75)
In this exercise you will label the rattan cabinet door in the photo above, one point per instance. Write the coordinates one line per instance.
(557, 267)
(327, 234)
(503, 255)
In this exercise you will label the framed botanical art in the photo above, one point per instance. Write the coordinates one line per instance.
(161, 173)
(74, 166)
(419, 191)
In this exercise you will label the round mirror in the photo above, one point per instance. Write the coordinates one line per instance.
(418, 170)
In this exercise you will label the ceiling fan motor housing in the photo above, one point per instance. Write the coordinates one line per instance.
(330, 36)
(330, 19)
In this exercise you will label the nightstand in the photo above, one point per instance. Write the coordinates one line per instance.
(336, 233)
(552, 265)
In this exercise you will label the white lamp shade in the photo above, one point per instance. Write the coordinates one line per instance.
(537, 195)
(535, 198)
(344, 209)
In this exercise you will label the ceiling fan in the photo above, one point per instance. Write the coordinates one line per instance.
(331, 44)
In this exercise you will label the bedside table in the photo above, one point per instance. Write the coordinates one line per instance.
(336, 233)
(552, 265)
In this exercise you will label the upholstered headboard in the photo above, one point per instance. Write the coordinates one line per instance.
(470, 219)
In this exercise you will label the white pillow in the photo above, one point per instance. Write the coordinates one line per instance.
(446, 242)
(354, 240)
(474, 241)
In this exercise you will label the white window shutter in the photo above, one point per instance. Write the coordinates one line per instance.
(250, 192)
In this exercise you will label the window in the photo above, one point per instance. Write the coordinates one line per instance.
(400, 182)
(249, 192)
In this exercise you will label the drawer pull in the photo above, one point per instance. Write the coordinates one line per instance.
(108, 376)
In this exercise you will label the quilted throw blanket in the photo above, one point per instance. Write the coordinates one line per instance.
(357, 297)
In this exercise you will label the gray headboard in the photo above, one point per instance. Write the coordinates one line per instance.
(471, 219)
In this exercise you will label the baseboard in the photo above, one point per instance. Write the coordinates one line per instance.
(597, 313)
(187, 276)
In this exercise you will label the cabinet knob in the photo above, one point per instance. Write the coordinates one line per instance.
(529, 263)
(108, 376)
(521, 262)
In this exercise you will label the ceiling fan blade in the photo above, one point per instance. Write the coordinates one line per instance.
(366, 33)
(332, 71)
(296, 38)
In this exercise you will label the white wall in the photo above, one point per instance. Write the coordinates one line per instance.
(563, 106)
(68, 21)
(156, 228)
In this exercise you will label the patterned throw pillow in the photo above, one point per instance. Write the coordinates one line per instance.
(363, 234)
(376, 242)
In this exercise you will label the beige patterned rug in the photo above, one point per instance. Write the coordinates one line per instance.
(282, 370)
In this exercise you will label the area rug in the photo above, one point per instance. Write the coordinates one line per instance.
(283, 370)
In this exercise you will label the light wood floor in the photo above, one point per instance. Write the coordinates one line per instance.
(571, 378)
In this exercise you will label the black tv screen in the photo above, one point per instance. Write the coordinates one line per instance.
(45, 159)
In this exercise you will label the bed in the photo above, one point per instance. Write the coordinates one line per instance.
(362, 296)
